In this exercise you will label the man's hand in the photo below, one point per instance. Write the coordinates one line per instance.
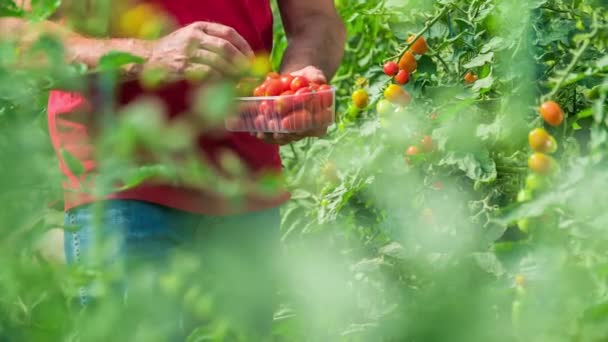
(200, 50)
(314, 75)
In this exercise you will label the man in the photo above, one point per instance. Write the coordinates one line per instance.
(152, 221)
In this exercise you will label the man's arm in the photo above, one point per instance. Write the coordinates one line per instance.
(78, 48)
(315, 47)
(315, 35)
(199, 49)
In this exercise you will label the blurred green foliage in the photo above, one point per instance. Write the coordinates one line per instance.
(375, 248)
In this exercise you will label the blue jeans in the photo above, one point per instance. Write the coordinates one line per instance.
(157, 257)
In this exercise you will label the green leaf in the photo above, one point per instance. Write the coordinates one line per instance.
(8, 8)
(478, 166)
(42, 9)
(495, 44)
(489, 263)
(483, 84)
(480, 60)
(73, 164)
(116, 59)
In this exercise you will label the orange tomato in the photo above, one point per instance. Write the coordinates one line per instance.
(470, 78)
(360, 98)
(408, 62)
(398, 95)
(541, 163)
(419, 46)
(541, 141)
(552, 113)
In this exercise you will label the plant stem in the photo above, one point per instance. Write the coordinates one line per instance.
(295, 154)
(427, 27)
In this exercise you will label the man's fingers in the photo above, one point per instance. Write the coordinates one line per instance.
(213, 60)
(228, 34)
(200, 72)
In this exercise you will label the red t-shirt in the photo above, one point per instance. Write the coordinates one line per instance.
(253, 20)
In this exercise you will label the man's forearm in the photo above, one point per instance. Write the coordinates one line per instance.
(78, 49)
(320, 44)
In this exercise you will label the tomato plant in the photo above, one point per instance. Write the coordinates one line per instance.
(437, 208)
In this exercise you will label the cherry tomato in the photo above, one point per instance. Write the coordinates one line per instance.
(314, 86)
(535, 182)
(273, 87)
(419, 46)
(260, 90)
(302, 96)
(384, 107)
(360, 98)
(408, 62)
(403, 77)
(296, 121)
(541, 141)
(438, 185)
(330, 172)
(427, 143)
(541, 164)
(266, 108)
(412, 151)
(260, 123)
(284, 104)
(272, 76)
(524, 196)
(286, 82)
(299, 82)
(396, 94)
(327, 96)
(520, 280)
(470, 78)
(391, 68)
(552, 113)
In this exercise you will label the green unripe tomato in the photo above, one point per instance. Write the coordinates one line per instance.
(524, 195)
(535, 182)
(384, 107)
(524, 225)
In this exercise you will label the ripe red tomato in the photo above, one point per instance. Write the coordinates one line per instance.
(552, 113)
(419, 46)
(408, 62)
(327, 96)
(272, 76)
(360, 98)
(391, 68)
(286, 82)
(273, 87)
(470, 78)
(403, 77)
(260, 90)
(266, 108)
(314, 86)
(296, 121)
(284, 104)
(428, 145)
(299, 82)
(260, 123)
(302, 96)
(324, 118)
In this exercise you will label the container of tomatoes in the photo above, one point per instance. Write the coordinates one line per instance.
(285, 104)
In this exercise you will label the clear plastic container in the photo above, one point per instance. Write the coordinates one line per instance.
(284, 114)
